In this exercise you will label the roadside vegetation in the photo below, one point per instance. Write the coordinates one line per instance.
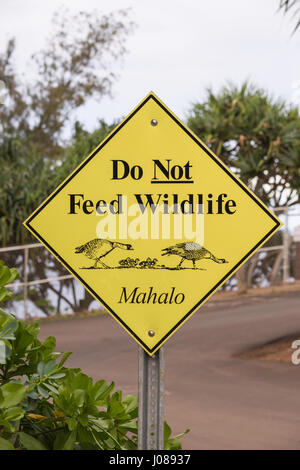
(46, 406)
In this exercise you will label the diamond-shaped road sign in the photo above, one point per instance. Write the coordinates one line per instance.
(152, 223)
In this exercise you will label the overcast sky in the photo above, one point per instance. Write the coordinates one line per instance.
(178, 48)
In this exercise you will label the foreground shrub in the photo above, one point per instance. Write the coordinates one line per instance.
(45, 405)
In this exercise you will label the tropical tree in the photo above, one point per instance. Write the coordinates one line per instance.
(256, 136)
(291, 6)
(75, 65)
(259, 139)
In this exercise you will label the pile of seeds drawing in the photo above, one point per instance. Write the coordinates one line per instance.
(137, 263)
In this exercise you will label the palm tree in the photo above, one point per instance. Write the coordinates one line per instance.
(258, 137)
(291, 5)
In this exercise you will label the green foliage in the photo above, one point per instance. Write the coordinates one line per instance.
(172, 443)
(83, 143)
(257, 137)
(47, 406)
(27, 178)
(7, 276)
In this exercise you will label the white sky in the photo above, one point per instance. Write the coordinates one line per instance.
(178, 49)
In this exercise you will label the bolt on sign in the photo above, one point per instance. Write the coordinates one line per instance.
(152, 223)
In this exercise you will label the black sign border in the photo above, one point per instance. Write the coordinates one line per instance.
(87, 160)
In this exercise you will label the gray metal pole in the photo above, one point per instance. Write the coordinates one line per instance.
(151, 400)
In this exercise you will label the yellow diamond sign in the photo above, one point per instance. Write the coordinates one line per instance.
(152, 223)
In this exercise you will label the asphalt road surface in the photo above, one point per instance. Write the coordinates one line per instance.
(228, 403)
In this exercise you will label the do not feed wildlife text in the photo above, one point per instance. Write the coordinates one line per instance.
(190, 204)
(166, 172)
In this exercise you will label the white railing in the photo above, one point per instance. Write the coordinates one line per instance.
(286, 241)
(26, 284)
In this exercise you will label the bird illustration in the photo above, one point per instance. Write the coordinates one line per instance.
(191, 251)
(98, 248)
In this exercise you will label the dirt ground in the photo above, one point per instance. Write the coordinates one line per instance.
(257, 292)
(278, 350)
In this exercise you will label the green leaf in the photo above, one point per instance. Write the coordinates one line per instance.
(131, 404)
(83, 419)
(72, 423)
(130, 445)
(42, 391)
(33, 394)
(172, 443)
(70, 442)
(5, 351)
(131, 426)
(8, 330)
(59, 375)
(4, 294)
(5, 316)
(79, 397)
(181, 434)
(50, 387)
(115, 408)
(41, 368)
(51, 366)
(33, 329)
(97, 426)
(98, 443)
(101, 389)
(12, 394)
(13, 414)
(5, 445)
(167, 432)
(30, 443)
(60, 439)
(64, 358)
(50, 344)
(7, 275)
(24, 339)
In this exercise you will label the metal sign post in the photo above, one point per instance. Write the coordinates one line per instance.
(151, 400)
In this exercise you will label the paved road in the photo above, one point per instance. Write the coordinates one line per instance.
(227, 403)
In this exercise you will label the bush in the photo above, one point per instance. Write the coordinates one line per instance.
(47, 406)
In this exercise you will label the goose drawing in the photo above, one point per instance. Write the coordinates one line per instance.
(98, 248)
(191, 251)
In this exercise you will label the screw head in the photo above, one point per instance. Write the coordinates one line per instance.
(154, 122)
(151, 333)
